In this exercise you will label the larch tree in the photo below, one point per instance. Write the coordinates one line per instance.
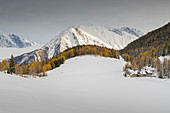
(23, 69)
(1, 66)
(5, 64)
(168, 68)
(141, 63)
(27, 68)
(17, 69)
(126, 57)
(127, 66)
(165, 67)
(159, 68)
(134, 65)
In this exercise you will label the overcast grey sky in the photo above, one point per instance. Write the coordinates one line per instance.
(41, 20)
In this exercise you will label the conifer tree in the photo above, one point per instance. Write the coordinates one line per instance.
(57, 63)
(11, 68)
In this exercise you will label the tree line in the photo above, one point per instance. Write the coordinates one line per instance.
(37, 68)
(146, 50)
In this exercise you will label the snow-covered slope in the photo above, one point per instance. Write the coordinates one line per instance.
(13, 41)
(92, 35)
(132, 31)
(7, 52)
(82, 35)
(84, 84)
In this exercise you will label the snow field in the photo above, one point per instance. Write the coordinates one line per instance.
(85, 84)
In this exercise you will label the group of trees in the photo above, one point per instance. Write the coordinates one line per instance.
(89, 49)
(137, 60)
(37, 68)
(160, 50)
(151, 39)
(8, 66)
(60, 58)
(139, 53)
(146, 50)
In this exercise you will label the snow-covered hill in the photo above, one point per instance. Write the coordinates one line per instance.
(83, 35)
(14, 41)
(85, 84)
(7, 52)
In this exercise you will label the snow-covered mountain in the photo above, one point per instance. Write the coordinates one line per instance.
(83, 35)
(93, 35)
(132, 31)
(14, 41)
(7, 52)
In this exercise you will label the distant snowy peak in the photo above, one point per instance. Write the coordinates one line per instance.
(15, 41)
(132, 31)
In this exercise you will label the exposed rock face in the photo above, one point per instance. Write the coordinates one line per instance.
(82, 35)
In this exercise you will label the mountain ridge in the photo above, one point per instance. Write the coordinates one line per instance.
(153, 38)
(81, 35)
(14, 41)
(93, 35)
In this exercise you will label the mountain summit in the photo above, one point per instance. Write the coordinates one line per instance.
(15, 41)
(92, 35)
(82, 35)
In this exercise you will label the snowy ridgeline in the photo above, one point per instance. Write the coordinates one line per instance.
(6, 52)
(82, 35)
(14, 41)
(85, 84)
(92, 35)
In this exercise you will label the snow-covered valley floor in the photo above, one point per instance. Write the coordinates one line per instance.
(84, 84)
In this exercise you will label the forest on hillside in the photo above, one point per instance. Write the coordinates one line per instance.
(139, 54)
(37, 68)
(146, 51)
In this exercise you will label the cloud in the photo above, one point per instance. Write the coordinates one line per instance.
(41, 20)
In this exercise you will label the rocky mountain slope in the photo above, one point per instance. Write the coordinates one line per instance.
(14, 41)
(82, 35)
(149, 41)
